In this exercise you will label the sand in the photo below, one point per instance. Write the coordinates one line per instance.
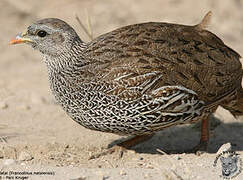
(40, 141)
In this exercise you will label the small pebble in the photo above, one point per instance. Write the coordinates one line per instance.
(36, 99)
(70, 159)
(24, 107)
(3, 105)
(224, 147)
(178, 158)
(24, 156)
(131, 152)
(122, 173)
(80, 178)
(8, 162)
(137, 159)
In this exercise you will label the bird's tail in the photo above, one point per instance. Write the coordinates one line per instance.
(235, 105)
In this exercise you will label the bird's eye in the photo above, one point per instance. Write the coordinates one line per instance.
(41, 33)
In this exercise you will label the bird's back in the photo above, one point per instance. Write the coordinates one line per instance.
(168, 55)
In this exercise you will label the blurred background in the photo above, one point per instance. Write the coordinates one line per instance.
(27, 109)
(107, 15)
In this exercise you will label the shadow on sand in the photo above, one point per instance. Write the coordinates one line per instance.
(180, 139)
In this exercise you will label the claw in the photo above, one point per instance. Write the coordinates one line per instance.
(123, 146)
(199, 149)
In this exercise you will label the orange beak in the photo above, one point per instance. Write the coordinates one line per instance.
(16, 41)
(20, 39)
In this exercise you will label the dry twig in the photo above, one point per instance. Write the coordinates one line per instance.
(88, 32)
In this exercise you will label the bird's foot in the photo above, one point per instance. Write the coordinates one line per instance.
(115, 149)
(123, 146)
(202, 146)
(199, 149)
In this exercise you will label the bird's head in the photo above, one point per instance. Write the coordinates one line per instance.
(50, 36)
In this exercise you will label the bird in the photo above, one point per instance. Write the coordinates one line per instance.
(139, 79)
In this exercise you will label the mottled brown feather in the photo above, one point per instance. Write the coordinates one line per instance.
(182, 55)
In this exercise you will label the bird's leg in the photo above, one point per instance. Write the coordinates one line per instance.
(123, 146)
(203, 144)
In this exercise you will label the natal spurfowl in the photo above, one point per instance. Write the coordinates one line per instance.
(141, 78)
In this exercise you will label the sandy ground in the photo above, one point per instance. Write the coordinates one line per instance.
(37, 136)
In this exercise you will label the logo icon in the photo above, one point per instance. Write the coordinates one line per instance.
(231, 164)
